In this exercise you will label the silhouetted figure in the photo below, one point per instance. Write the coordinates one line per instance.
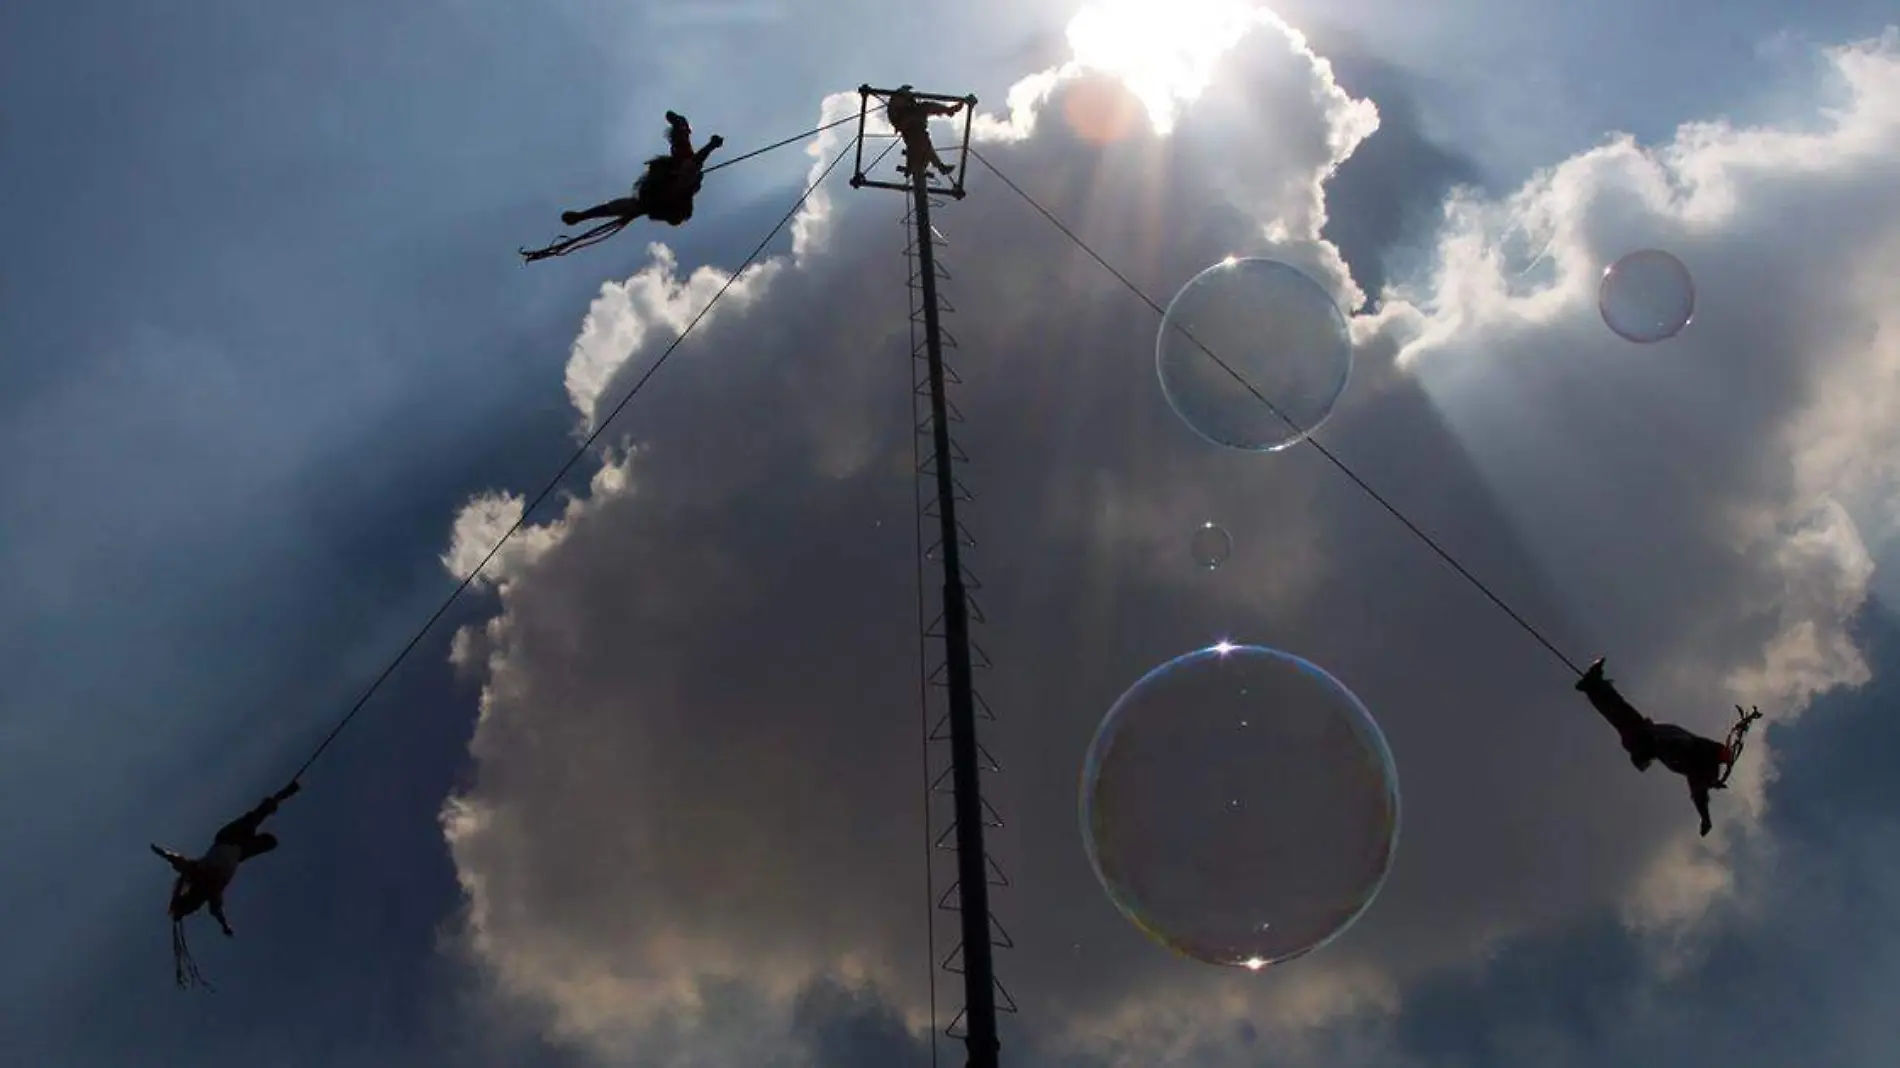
(202, 881)
(664, 192)
(910, 117)
(1705, 763)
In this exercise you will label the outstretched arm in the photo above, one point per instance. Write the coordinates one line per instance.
(1699, 793)
(217, 913)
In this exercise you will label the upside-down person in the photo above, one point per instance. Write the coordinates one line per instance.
(1704, 762)
(664, 192)
(202, 881)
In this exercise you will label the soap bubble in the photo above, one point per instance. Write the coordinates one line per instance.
(1210, 545)
(1646, 296)
(1273, 327)
(1240, 806)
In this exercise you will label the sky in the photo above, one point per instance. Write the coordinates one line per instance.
(274, 377)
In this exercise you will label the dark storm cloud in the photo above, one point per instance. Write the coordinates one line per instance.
(1790, 969)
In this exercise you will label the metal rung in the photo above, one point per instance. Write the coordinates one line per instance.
(957, 493)
(975, 610)
(995, 818)
(998, 878)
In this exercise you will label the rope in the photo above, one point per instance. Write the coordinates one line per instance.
(555, 482)
(1417, 532)
(781, 144)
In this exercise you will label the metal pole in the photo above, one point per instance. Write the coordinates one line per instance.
(979, 991)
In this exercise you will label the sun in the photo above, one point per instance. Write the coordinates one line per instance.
(1164, 51)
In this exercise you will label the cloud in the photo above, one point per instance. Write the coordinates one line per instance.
(1754, 450)
(1809, 935)
(696, 796)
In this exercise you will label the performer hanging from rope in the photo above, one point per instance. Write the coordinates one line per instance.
(202, 881)
(1704, 762)
(663, 193)
(910, 117)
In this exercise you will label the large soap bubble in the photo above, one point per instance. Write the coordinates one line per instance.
(1275, 328)
(1646, 296)
(1240, 806)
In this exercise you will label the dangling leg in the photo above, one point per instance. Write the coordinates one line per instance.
(919, 150)
(623, 208)
(618, 214)
(942, 168)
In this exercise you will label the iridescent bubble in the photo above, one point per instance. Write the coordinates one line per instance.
(1274, 328)
(1240, 806)
(1646, 296)
(1211, 545)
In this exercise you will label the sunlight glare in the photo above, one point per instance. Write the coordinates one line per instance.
(1164, 51)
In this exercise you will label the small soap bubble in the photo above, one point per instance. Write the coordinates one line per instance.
(1211, 545)
(1647, 296)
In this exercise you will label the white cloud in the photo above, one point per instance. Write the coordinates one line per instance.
(1770, 415)
(695, 768)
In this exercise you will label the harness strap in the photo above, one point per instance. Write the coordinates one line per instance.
(184, 969)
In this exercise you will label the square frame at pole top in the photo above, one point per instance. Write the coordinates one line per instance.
(866, 94)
